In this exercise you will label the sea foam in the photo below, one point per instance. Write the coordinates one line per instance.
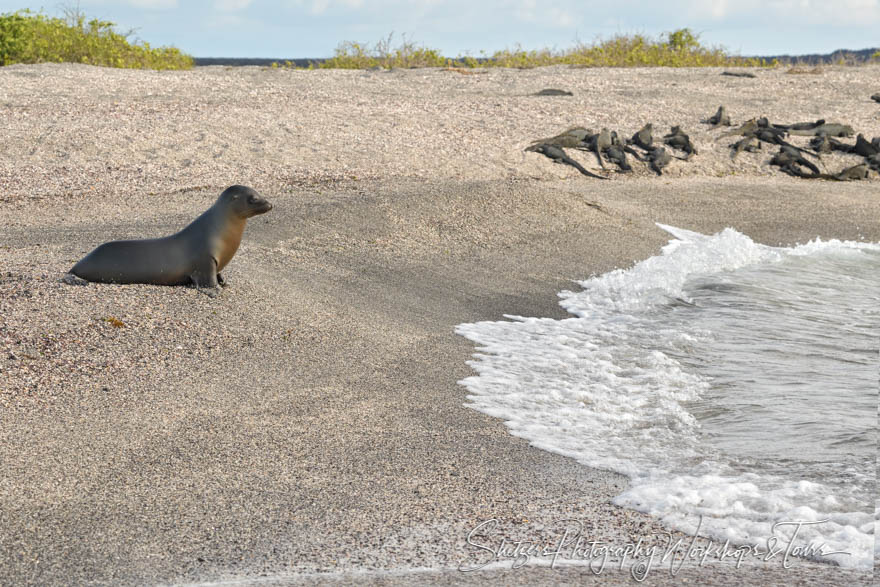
(734, 383)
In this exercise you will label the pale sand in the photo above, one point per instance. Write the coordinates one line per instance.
(308, 420)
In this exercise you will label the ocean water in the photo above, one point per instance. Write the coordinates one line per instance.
(736, 384)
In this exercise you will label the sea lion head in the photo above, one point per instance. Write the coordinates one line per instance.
(244, 202)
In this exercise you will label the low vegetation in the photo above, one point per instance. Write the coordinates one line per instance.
(680, 48)
(27, 37)
(353, 55)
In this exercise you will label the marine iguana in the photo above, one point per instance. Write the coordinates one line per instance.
(600, 143)
(789, 161)
(553, 92)
(853, 173)
(800, 125)
(677, 139)
(738, 73)
(832, 129)
(747, 128)
(876, 97)
(659, 158)
(764, 131)
(644, 138)
(749, 143)
(859, 171)
(863, 147)
(575, 137)
(558, 156)
(616, 154)
(720, 118)
(774, 137)
(765, 125)
(825, 144)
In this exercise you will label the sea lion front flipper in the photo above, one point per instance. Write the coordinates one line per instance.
(71, 279)
(204, 277)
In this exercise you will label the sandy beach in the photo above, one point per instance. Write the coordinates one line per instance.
(306, 426)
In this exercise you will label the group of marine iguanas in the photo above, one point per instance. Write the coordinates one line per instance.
(790, 159)
(608, 143)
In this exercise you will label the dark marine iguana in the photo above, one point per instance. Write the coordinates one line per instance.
(853, 173)
(761, 129)
(558, 156)
(552, 92)
(825, 144)
(749, 143)
(800, 125)
(748, 128)
(677, 139)
(644, 138)
(720, 118)
(790, 160)
(616, 154)
(864, 148)
(599, 143)
(832, 129)
(576, 137)
(659, 158)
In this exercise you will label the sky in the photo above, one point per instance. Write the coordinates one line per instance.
(314, 28)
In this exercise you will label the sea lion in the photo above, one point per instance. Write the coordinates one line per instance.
(194, 255)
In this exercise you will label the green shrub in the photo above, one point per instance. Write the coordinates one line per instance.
(354, 55)
(680, 48)
(27, 37)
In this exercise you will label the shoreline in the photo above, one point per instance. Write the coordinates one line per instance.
(310, 418)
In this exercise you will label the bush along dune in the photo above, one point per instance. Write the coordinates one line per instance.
(680, 48)
(27, 37)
